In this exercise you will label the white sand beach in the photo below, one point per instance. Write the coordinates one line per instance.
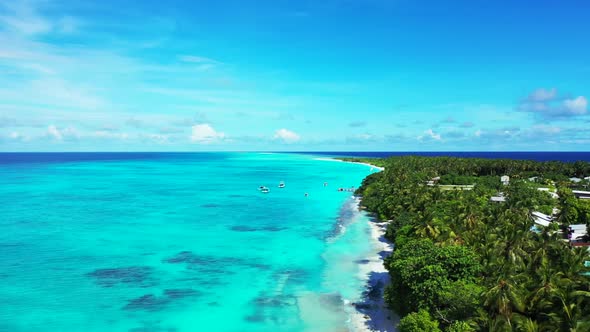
(353, 162)
(370, 165)
(371, 314)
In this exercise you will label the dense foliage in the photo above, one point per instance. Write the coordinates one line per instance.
(418, 322)
(469, 264)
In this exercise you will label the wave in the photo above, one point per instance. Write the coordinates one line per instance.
(349, 213)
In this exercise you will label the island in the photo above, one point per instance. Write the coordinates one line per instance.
(483, 244)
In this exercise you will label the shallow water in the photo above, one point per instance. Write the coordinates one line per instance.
(178, 242)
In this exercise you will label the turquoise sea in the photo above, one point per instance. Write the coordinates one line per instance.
(178, 242)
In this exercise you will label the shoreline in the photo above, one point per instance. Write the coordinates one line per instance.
(367, 164)
(352, 162)
(371, 313)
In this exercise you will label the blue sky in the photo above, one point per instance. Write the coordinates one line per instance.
(332, 75)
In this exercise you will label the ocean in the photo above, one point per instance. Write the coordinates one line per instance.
(179, 242)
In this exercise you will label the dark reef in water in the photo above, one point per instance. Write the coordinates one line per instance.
(181, 293)
(273, 228)
(346, 215)
(139, 276)
(148, 302)
(243, 229)
(256, 318)
(151, 302)
(184, 257)
(265, 307)
(212, 263)
(275, 301)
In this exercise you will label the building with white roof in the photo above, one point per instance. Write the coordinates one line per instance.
(505, 179)
(553, 194)
(541, 218)
(578, 232)
(581, 194)
(498, 199)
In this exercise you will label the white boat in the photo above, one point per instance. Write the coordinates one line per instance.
(282, 184)
(264, 190)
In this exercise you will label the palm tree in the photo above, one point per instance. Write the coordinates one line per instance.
(429, 229)
(528, 325)
(504, 299)
(571, 314)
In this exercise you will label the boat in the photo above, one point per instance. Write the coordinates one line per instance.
(282, 184)
(264, 190)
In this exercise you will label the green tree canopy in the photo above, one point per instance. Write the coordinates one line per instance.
(418, 322)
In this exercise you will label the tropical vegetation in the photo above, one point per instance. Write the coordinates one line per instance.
(464, 263)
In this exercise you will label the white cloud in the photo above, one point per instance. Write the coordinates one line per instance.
(549, 104)
(286, 136)
(429, 134)
(15, 136)
(205, 134)
(504, 134)
(576, 106)
(54, 133)
(433, 135)
(63, 134)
